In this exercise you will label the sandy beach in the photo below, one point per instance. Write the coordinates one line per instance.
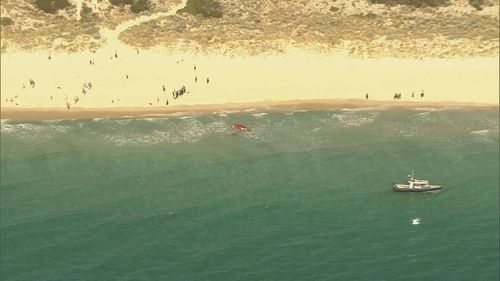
(120, 80)
(297, 75)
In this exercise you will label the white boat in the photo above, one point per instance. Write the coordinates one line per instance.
(415, 185)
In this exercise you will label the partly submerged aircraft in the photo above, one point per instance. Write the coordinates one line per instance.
(241, 127)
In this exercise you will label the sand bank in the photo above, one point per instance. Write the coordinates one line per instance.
(267, 106)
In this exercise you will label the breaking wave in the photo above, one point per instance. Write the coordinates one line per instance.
(297, 129)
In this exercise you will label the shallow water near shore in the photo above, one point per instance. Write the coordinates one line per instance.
(306, 195)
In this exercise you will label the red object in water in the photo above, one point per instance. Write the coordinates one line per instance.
(241, 127)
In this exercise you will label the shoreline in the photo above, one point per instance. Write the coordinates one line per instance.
(207, 109)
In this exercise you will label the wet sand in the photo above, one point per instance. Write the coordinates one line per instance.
(268, 106)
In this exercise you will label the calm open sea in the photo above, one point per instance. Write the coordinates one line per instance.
(303, 196)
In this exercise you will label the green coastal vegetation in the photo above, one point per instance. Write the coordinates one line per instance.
(414, 3)
(136, 6)
(334, 9)
(207, 8)
(87, 14)
(6, 21)
(121, 2)
(140, 5)
(51, 6)
(478, 4)
(254, 25)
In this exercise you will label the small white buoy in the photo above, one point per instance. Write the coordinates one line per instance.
(415, 221)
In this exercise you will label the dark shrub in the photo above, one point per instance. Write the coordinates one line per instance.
(6, 21)
(87, 15)
(121, 2)
(208, 8)
(140, 5)
(478, 4)
(414, 3)
(51, 6)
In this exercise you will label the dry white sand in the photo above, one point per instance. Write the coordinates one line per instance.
(297, 75)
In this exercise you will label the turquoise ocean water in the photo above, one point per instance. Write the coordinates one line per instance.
(305, 196)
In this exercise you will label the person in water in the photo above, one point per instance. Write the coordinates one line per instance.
(422, 94)
(366, 96)
(208, 80)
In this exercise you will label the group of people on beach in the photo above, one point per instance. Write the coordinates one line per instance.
(175, 93)
(14, 99)
(86, 87)
(397, 96)
(178, 93)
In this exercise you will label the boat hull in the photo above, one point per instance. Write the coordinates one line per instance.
(405, 188)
